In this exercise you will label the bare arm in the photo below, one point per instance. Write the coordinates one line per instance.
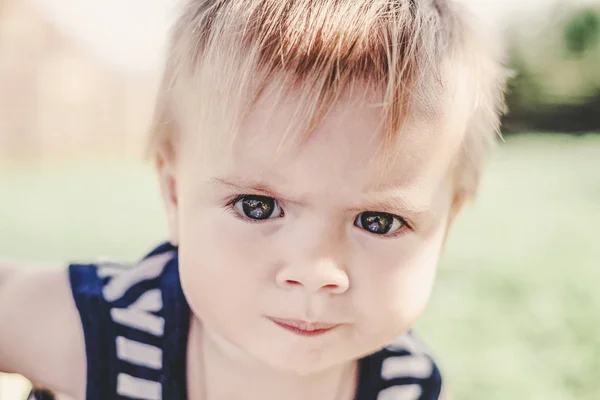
(40, 335)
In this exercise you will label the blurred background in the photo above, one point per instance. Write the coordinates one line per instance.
(516, 310)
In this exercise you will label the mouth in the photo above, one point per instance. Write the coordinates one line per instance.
(304, 328)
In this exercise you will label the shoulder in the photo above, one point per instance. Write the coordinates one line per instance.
(403, 370)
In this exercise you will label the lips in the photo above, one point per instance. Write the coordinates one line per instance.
(304, 328)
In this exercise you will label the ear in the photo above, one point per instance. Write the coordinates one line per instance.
(168, 186)
(458, 202)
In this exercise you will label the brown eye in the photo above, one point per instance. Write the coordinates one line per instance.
(379, 223)
(258, 207)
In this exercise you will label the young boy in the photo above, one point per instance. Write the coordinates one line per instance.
(312, 156)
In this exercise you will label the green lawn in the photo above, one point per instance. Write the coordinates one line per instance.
(516, 311)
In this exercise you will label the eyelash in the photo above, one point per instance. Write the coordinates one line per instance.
(230, 206)
(406, 226)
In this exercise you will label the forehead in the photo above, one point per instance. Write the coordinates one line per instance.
(343, 152)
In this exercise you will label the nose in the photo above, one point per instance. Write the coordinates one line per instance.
(322, 275)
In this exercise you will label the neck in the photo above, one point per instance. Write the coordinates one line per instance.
(224, 377)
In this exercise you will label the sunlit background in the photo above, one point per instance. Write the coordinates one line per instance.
(516, 311)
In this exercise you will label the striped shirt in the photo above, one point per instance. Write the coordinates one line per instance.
(136, 320)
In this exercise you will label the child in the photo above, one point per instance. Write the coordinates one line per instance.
(312, 155)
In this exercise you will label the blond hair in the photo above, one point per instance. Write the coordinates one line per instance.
(424, 55)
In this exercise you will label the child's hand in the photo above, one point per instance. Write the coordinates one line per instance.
(41, 336)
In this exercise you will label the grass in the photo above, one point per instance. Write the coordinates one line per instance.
(515, 310)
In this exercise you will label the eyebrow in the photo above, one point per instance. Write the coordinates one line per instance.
(391, 200)
(254, 187)
(395, 200)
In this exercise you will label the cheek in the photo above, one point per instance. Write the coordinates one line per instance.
(399, 283)
(221, 258)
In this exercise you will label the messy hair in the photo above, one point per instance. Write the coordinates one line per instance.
(425, 56)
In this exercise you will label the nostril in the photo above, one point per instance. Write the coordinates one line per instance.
(331, 286)
(291, 282)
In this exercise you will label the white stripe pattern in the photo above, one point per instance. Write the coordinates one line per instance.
(138, 388)
(405, 392)
(105, 271)
(148, 269)
(138, 315)
(139, 353)
(139, 319)
(406, 366)
(149, 301)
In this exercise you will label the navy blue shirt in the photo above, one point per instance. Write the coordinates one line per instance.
(136, 321)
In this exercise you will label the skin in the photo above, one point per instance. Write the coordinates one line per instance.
(312, 260)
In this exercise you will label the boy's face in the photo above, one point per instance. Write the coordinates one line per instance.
(311, 259)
